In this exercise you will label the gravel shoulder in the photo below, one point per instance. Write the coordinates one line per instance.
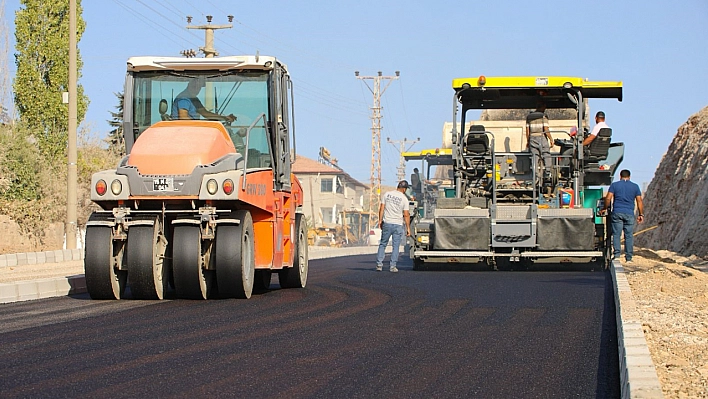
(671, 293)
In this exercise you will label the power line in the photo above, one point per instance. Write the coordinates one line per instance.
(331, 105)
(169, 6)
(328, 98)
(195, 8)
(151, 22)
(403, 103)
(164, 16)
(280, 45)
(329, 93)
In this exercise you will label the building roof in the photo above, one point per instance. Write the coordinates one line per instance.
(307, 166)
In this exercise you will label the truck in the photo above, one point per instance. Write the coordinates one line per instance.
(501, 207)
(207, 207)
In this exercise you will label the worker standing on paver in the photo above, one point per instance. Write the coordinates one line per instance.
(416, 185)
(538, 137)
(393, 219)
(621, 195)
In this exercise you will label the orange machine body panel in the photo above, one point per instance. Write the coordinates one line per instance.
(273, 215)
(176, 147)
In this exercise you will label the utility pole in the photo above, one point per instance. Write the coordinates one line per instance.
(402, 148)
(375, 192)
(208, 50)
(71, 195)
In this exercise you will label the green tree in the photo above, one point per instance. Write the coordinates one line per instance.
(42, 59)
(116, 140)
(20, 166)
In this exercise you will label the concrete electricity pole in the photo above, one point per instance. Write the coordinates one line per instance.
(71, 195)
(375, 192)
(402, 148)
(208, 50)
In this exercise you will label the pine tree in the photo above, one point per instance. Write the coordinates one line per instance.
(42, 59)
(116, 140)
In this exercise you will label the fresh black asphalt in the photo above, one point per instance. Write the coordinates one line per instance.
(352, 333)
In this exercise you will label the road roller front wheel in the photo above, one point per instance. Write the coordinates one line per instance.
(103, 279)
(234, 257)
(192, 279)
(147, 274)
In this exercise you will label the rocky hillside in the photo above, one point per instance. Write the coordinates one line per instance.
(677, 198)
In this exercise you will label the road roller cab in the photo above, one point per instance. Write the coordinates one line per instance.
(204, 201)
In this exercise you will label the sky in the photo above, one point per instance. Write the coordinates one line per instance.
(656, 48)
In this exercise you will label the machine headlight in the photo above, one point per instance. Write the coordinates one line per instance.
(212, 186)
(424, 239)
(116, 187)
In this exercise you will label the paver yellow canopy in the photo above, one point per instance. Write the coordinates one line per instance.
(205, 198)
(509, 204)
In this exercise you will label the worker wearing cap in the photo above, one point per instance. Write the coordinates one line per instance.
(599, 124)
(393, 221)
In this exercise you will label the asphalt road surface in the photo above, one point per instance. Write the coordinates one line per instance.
(352, 333)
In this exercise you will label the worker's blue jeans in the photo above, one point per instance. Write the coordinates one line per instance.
(388, 231)
(623, 222)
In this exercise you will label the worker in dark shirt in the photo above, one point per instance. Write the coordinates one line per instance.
(622, 195)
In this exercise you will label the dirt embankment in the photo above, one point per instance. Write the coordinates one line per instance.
(14, 240)
(670, 284)
(671, 292)
(676, 200)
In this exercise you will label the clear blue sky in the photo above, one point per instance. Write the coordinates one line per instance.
(657, 48)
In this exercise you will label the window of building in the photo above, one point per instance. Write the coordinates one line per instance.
(326, 185)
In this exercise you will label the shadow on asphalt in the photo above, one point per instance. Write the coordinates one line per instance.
(502, 265)
(608, 369)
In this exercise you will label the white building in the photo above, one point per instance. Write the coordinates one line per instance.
(327, 191)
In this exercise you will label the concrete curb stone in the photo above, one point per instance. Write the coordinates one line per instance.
(38, 258)
(638, 378)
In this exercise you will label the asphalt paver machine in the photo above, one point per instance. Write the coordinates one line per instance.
(504, 208)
